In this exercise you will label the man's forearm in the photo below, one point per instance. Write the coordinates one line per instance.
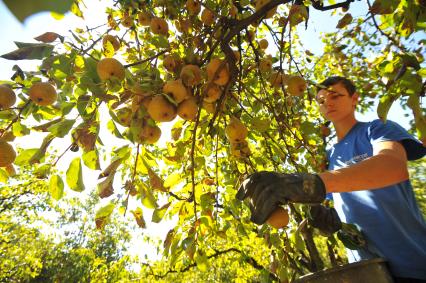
(373, 173)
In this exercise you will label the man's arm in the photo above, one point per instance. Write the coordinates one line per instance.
(387, 166)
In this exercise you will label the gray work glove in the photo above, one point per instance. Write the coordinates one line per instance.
(268, 190)
(325, 219)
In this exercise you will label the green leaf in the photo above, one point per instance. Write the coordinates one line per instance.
(24, 156)
(105, 188)
(172, 180)
(91, 159)
(113, 129)
(61, 129)
(384, 106)
(3, 176)
(39, 155)
(148, 199)
(19, 129)
(159, 213)
(36, 52)
(202, 261)
(25, 8)
(56, 187)
(75, 175)
(103, 214)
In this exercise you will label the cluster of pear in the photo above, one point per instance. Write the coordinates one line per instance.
(42, 94)
(176, 97)
(157, 25)
(236, 132)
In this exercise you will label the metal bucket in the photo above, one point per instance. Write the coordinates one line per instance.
(365, 271)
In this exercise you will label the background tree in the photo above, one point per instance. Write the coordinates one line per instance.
(201, 76)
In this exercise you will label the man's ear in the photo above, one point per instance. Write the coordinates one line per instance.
(355, 99)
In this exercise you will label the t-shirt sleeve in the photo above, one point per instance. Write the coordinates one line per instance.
(391, 131)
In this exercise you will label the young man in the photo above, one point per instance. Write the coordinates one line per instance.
(369, 180)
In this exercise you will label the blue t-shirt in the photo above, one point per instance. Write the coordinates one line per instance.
(389, 217)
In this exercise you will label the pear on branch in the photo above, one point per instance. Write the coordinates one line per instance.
(43, 94)
(108, 68)
(7, 154)
(236, 131)
(161, 110)
(7, 97)
(218, 71)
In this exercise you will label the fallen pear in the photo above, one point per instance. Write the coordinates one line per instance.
(43, 93)
(161, 110)
(108, 68)
(7, 97)
(7, 154)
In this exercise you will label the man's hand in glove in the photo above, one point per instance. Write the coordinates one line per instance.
(325, 219)
(268, 190)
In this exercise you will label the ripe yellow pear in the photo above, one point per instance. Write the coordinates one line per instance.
(110, 67)
(144, 18)
(124, 116)
(7, 154)
(191, 75)
(263, 44)
(296, 85)
(279, 218)
(161, 110)
(169, 63)
(150, 134)
(207, 17)
(7, 97)
(188, 109)
(210, 107)
(43, 93)
(159, 26)
(236, 131)
(127, 20)
(212, 93)
(220, 77)
(260, 3)
(177, 90)
(265, 65)
(240, 149)
(193, 7)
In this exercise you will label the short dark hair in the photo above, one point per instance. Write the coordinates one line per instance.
(348, 84)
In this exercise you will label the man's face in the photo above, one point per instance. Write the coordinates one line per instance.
(335, 102)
